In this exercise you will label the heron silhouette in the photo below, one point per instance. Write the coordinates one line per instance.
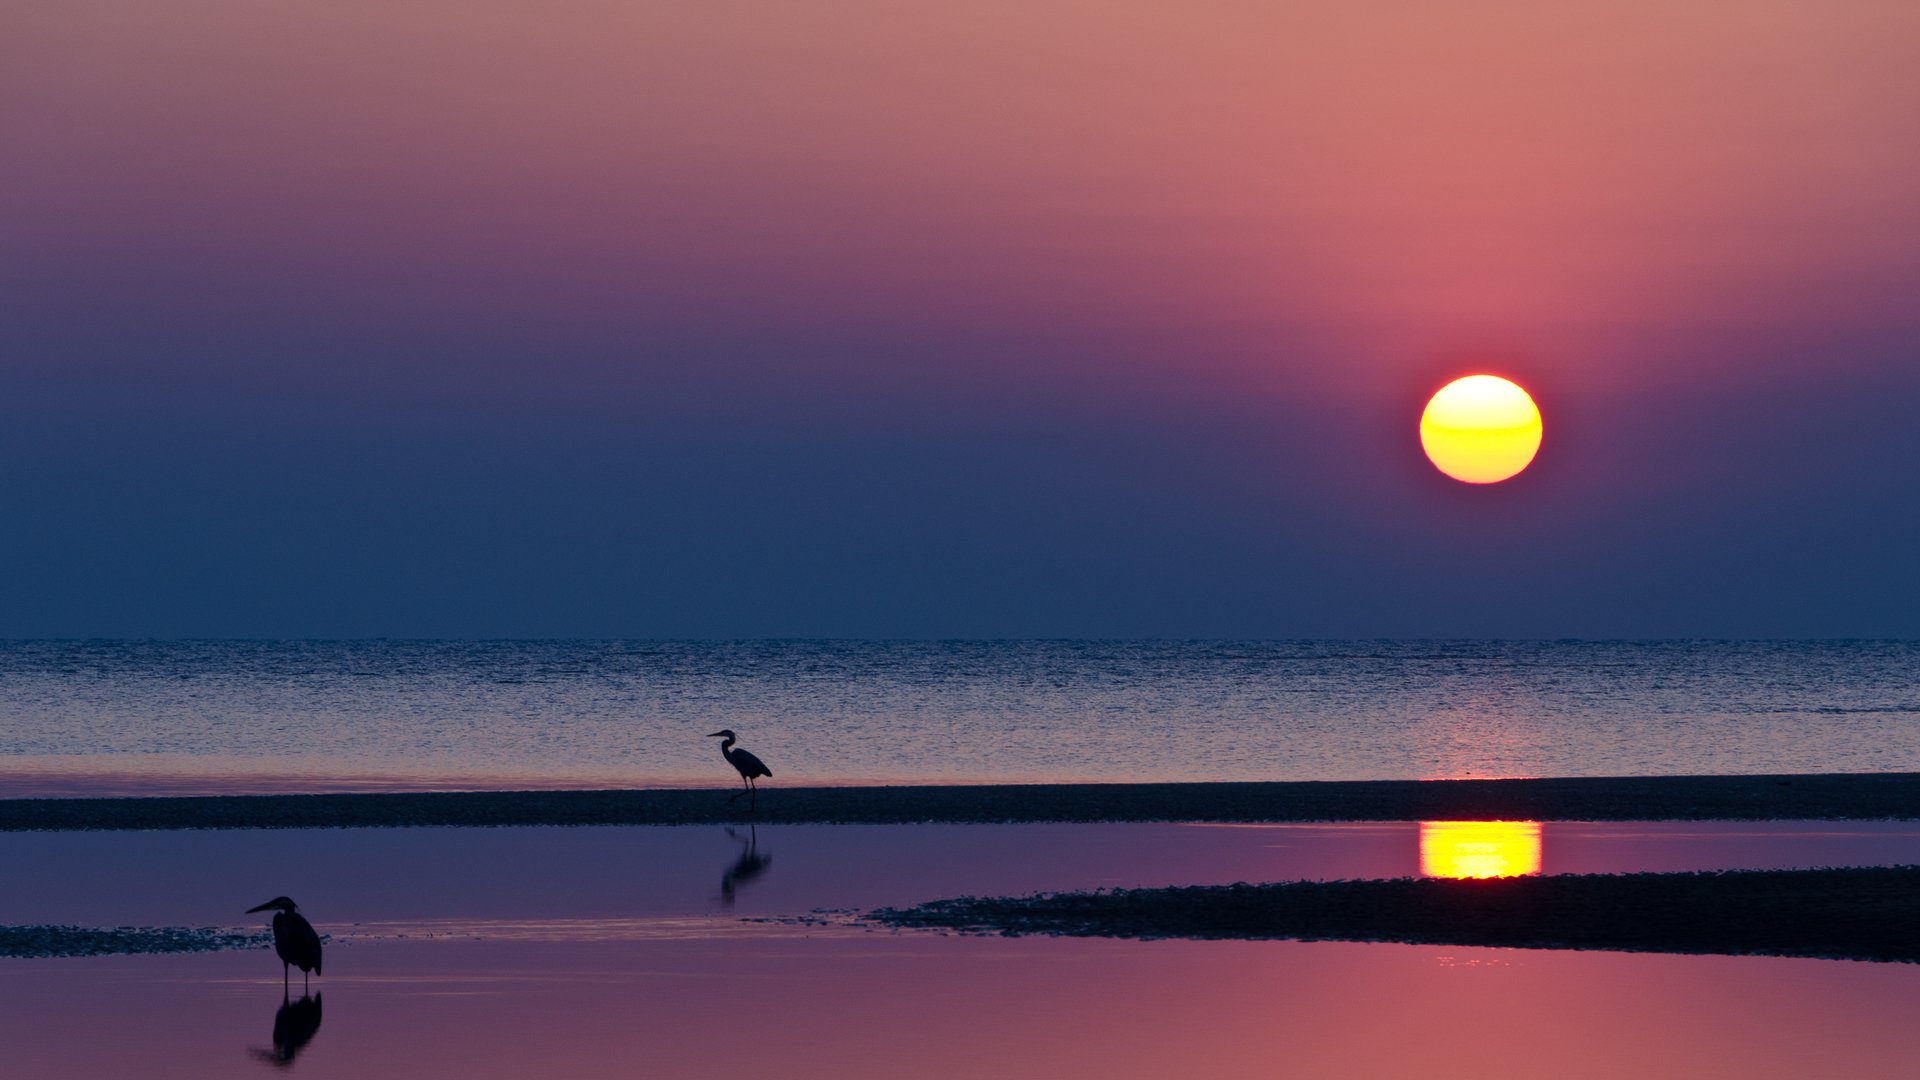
(751, 864)
(293, 939)
(743, 762)
(294, 1026)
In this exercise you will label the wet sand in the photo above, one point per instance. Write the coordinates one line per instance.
(1850, 914)
(1672, 798)
(47, 941)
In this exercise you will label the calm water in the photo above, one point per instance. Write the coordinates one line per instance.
(618, 952)
(102, 716)
(593, 879)
(885, 1007)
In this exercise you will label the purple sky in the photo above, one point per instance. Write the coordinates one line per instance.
(1013, 319)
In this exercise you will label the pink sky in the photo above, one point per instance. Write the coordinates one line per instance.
(858, 223)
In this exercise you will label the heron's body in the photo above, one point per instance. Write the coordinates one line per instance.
(743, 762)
(294, 939)
(748, 765)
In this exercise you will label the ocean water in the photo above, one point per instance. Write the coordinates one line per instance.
(106, 717)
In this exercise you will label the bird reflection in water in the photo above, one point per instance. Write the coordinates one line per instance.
(294, 1026)
(751, 864)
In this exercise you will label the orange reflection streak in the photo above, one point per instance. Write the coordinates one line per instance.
(1479, 849)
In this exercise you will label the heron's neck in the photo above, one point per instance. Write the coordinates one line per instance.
(724, 745)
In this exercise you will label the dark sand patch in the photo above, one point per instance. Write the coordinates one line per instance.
(1853, 914)
(1805, 797)
(45, 941)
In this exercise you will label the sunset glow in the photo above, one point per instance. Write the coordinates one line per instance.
(1481, 429)
(1479, 849)
(980, 433)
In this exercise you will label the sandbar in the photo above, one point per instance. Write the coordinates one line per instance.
(1855, 796)
(49, 941)
(1851, 914)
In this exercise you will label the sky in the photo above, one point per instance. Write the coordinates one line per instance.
(1113, 319)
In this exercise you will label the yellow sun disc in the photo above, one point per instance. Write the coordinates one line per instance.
(1481, 429)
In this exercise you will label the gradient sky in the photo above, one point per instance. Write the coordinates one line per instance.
(987, 319)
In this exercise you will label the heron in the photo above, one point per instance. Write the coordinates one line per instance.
(293, 939)
(746, 764)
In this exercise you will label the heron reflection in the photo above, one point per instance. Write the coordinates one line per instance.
(751, 864)
(294, 1026)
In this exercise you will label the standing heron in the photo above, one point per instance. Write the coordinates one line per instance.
(293, 939)
(746, 764)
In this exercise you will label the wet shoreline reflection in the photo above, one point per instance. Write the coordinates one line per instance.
(609, 951)
(1479, 849)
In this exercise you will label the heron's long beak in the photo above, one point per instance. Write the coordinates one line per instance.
(716, 734)
(262, 907)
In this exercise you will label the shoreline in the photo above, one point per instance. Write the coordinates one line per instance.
(1837, 914)
(1821, 796)
(49, 942)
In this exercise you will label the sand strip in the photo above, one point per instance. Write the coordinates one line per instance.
(1807, 797)
(1854, 914)
(43, 941)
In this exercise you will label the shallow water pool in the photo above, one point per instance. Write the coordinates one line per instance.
(602, 952)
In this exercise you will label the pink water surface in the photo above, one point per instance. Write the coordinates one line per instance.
(880, 1005)
(602, 952)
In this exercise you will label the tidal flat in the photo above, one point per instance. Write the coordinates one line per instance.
(610, 951)
(1865, 913)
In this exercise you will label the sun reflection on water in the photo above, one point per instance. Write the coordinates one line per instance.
(1479, 849)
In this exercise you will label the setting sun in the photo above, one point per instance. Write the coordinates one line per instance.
(1480, 429)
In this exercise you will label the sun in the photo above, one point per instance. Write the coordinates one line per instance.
(1481, 429)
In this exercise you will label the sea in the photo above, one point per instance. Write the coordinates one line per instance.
(184, 717)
